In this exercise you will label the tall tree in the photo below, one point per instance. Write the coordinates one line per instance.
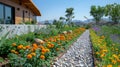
(97, 13)
(69, 14)
(113, 12)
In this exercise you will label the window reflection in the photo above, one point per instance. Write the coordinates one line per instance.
(1, 14)
(7, 15)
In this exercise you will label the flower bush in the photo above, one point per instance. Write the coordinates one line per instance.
(22, 51)
(107, 54)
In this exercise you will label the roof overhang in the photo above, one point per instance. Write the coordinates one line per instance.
(29, 4)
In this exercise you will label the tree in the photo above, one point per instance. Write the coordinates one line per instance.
(113, 12)
(69, 14)
(54, 22)
(62, 18)
(47, 22)
(97, 13)
(58, 24)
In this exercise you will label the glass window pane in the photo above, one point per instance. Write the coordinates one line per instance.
(1, 14)
(8, 15)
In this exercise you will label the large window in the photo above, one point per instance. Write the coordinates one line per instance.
(6, 14)
(1, 14)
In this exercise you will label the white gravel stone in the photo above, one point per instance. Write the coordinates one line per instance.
(78, 55)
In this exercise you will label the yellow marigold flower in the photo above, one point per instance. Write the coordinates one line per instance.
(102, 37)
(24, 48)
(97, 53)
(49, 42)
(47, 50)
(42, 53)
(13, 44)
(16, 52)
(29, 56)
(114, 61)
(105, 50)
(13, 51)
(115, 56)
(109, 65)
(33, 54)
(42, 57)
(116, 49)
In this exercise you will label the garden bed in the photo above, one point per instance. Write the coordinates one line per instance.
(106, 51)
(41, 47)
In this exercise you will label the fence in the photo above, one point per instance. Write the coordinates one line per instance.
(18, 29)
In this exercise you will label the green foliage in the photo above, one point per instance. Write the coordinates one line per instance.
(1, 59)
(33, 22)
(47, 22)
(87, 26)
(27, 22)
(69, 14)
(106, 42)
(58, 24)
(113, 11)
(97, 13)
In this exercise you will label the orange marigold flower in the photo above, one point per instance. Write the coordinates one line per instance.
(42, 57)
(57, 49)
(54, 40)
(29, 56)
(45, 40)
(44, 50)
(109, 65)
(28, 47)
(52, 45)
(32, 49)
(35, 45)
(48, 45)
(102, 55)
(118, 60)
(13, 44)
(20, 47)
(33, 54)
(41, 47)
(62, 37)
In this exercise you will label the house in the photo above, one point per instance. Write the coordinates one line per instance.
(17, 11)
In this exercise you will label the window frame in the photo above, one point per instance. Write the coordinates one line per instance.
(12, 13)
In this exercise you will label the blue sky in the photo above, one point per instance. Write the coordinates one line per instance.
(53, 9)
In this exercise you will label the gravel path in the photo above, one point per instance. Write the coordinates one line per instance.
(78, 55)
